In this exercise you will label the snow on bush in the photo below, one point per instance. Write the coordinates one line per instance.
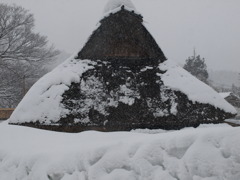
(42, 102)
(206, 153)
(179, 79)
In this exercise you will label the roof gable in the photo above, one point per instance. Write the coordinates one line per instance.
(122, 36)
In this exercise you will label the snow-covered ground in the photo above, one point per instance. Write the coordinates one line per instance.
(210, 152)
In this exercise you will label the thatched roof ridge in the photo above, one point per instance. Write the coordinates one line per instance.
(115, 5)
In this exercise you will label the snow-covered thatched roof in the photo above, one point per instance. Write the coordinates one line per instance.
(179, 79)
(43, 101)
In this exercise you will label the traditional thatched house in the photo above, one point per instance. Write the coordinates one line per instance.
(120, 80)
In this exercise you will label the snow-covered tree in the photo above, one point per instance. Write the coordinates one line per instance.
(197, 67)
(18, 41)
(22, 52)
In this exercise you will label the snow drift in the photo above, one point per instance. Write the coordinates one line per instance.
(210, 152)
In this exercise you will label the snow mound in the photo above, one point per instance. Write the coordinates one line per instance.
(115, 5)
(179, 79)
(42, 102)
(210, 152)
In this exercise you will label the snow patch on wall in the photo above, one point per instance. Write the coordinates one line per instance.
(179, 79)
(127, 96)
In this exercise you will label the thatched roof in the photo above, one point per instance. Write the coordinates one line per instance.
(122, 36)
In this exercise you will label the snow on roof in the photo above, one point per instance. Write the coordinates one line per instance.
(42, 102)
(179, 79)
(224, 94)
(114, 6)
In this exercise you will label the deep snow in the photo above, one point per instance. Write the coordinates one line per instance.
(210, 152)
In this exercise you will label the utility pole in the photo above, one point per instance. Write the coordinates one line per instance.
(194, 52)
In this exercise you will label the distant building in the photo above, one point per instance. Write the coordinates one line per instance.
(232, 98)
(5, 113)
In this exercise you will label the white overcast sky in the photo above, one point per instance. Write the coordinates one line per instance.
(211, 26)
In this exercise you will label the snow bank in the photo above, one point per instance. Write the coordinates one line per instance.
(209, 152)
(179, 79)
(42, 102)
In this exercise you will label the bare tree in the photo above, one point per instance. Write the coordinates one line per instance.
(18, 41)
(22, 51)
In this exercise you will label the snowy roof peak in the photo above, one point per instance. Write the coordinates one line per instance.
(115, 5)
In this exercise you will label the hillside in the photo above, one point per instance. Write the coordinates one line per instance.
(224, 79)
